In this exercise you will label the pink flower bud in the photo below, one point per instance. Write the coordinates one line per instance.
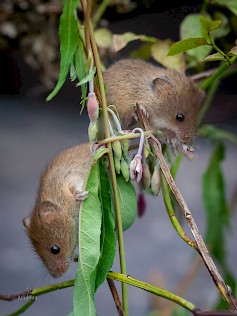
(92, 107)
(141, 204)
(136, 168)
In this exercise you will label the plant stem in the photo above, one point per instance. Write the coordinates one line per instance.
(172, 216)
(111, 163)
(219, 50)
(218, 73)
(152, 289)
(99, 12)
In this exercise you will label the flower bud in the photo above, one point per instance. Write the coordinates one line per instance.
(92, 132)
(141, 204)
(125, 169)
(136, 168)
(92, 107)
(156, 181)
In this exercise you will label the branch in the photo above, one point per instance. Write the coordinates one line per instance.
(115, 297)
(224, 290)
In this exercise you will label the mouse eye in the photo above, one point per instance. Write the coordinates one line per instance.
(180, 117)
(55, 249)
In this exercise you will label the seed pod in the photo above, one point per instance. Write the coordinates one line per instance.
(125, 169)
(146, 179)
(117, 164)
(156, 181)
(117, 149)
(125, 147)
(141, 204)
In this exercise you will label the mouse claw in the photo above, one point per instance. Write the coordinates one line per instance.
(81, 195)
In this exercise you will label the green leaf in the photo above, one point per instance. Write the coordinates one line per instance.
(80, 68)
(216, 134)
(214, 57)
(68, 33)
(208, 24)
(89, 247)
(191, 28)
(217, 212)
(88, 77)
(186, 44)
(108, 235)
(230, 4)
(128, 202)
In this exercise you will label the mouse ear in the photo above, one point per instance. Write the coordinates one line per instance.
(46, 211)
(26, 222)
(161, 82)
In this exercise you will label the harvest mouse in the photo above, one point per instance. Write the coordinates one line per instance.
(170, 100)
(53, 224)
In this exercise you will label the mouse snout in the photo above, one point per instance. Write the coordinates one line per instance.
(58, 268)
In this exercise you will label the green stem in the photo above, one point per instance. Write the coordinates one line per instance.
(112, 168)
(208, 99)
(40, 291)
(152, 289)
(172, 216)
(218, 49)
(218, 73)
(99, 12)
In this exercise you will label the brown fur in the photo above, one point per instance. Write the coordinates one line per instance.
(54, 219)
(163, 92)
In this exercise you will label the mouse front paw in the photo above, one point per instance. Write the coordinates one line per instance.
(81, 195)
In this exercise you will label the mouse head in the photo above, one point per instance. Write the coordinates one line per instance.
(52, 237)
(178, 102)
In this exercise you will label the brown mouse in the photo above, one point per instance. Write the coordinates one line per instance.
(53, 224)
(170, 99)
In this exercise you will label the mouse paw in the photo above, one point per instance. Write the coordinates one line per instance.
(144, 110)
(81, 195)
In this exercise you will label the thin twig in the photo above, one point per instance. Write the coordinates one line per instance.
(201, 246)
(115, 297)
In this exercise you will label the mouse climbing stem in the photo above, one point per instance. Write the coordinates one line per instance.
(86, 5)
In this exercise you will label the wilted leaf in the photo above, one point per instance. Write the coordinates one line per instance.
(186, 44)
(128, 202)
(68, 33)
(121, 40)
(214, 57)
(108, 235)
(233, 51)
(191, 28)
(230, 4)
(103, 37)
(89, 247)
(159, 51)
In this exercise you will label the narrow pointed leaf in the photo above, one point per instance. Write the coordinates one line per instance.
(68, 33)
(89, 248)
(108, 235)
(186, 44)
